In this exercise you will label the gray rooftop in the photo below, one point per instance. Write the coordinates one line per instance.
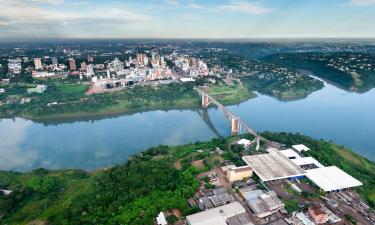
(273, 166)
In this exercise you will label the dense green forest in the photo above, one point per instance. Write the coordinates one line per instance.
(266, 78)
(135, 192)
(351, 71)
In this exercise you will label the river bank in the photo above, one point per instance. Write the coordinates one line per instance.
(118, 195)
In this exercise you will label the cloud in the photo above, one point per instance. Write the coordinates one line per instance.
(362, 2)
(184, 4)
(42, 17)
(245, 7)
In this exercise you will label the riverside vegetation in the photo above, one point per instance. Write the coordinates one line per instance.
(152, 181)
(71, 101)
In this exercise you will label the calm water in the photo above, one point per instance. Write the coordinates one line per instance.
(331, 113)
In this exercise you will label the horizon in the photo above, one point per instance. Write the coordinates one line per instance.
(187, 19)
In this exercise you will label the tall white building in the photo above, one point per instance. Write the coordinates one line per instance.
(38, 64)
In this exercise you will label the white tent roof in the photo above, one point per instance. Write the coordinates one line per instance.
(290, 153)
(306, 161)
(332, 178)
(300, 148)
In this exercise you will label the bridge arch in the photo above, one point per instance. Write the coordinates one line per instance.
(236, 124)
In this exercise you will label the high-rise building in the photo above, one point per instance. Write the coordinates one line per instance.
(72, 64)
(38, 64)
(90, 58)
(140, 59)
(83, 66)
(90, 70)
(54, 61)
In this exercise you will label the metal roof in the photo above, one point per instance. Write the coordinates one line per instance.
(273, 166)
(332, 178)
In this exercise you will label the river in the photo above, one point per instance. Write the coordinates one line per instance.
(331, 113)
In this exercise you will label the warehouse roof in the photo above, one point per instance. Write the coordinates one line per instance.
(300, 148)
(216, 216)
(306, 161)
(332, 178)
(273, 166)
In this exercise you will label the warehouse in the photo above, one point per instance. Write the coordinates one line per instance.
(232, 214)
(273, 166)
(332, 179)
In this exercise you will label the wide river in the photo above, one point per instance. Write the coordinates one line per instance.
(331, 113)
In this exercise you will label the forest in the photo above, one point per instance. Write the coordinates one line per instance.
(155, 180)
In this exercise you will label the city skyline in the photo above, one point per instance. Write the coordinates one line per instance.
(187, 19)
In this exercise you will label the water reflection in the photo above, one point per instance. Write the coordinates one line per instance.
(331, 113)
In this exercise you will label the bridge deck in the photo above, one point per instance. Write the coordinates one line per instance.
(229, 114)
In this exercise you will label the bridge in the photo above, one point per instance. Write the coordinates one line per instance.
(237, 126)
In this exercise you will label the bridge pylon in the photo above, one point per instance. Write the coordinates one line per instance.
(205, 101)
(234, 125)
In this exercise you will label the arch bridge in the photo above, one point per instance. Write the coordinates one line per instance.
(237, 126)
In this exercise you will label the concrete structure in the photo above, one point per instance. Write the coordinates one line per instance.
(278, 222)
(40, 88)
(6, 192)
(184, 80)
(246, 143)
(273, 166)
(299, 218)
(161, 219)
(218, 197)
(234, 173)
(72, 64)
(332, 179)
(300, 148)
(42, 74)
(262, 203)
(38, 64)
(217, 216)
(317, 214)
(236, 125)
(54, 61)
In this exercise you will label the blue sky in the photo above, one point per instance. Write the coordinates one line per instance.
(187, 18)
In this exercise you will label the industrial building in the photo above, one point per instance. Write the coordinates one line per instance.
(262, 203)
(234, 173)
(273, 166)
(230, 214)
(218, 197)
(332, 179)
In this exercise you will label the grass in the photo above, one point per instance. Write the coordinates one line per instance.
(230, 94)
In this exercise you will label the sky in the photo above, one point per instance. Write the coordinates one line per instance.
(187, 19)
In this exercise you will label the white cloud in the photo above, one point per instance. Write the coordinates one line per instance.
(35, 17)
(184, 3)
(245, 7)
(362, 2)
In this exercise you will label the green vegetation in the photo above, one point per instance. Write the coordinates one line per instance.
(266, 78)
(291, 205)
(229, 94)
(71, 100)
(351, 71)
(158, 179)
(351, 219)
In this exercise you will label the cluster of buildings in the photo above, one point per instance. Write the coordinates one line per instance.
(251, 202)
(190, 66)
(114, 74)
